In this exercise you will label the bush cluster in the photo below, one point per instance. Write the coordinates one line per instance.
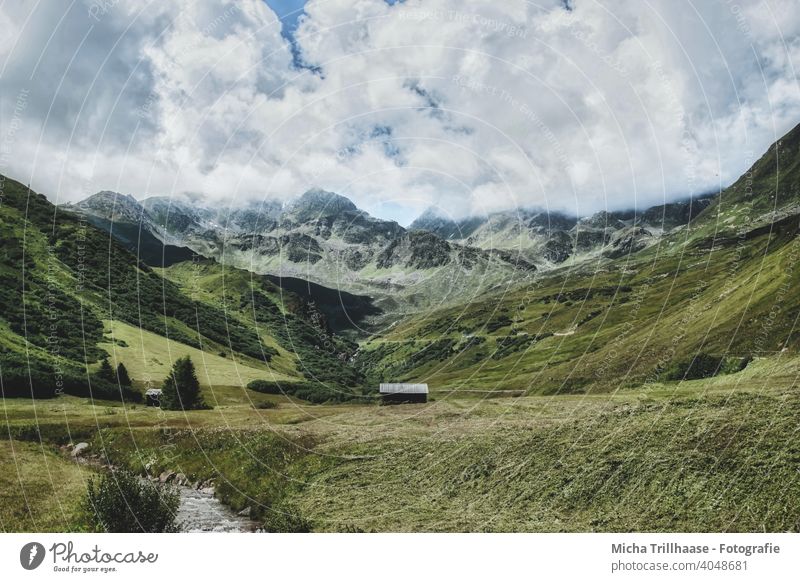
(313, 392)
(705, 366)
(123, 502)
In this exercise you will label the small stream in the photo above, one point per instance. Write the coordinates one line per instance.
(200, 511)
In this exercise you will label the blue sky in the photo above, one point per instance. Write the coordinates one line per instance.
(289, 11)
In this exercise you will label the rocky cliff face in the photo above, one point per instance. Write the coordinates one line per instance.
(323, 237)
(111, 206)
(549, 239)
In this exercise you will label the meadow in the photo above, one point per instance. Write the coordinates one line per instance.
(707, 455)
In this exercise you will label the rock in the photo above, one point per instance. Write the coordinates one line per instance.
(627, 241)
(78, 450)
(166, 476)
(245, 512)
(558, 248)
(180, 479)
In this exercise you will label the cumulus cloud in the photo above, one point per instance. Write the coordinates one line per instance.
(491, 105)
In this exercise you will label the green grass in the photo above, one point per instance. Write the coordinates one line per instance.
(710, 463)
(282, 320)
(40, 490)
(690, 456)
(150, 356)
(614, 325)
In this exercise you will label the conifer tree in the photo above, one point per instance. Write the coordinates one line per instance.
(181, 389)
(122, 375)
(106, 372)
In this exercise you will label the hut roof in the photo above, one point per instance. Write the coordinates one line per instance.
(404, 388)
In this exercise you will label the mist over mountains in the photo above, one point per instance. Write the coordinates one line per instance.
(325, 238)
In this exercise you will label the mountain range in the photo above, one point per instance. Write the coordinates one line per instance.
(322, 237)
(318, 291)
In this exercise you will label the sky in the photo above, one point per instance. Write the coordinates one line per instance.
(467, 108)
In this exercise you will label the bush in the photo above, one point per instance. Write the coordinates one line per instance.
(122, 502)
(701, 366)
(285, 518)
(266, 405)
(734, 365)
(310, 391)
(39, 378)
(265, 387)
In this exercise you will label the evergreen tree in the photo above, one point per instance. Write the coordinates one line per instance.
(122, 375)
(106, 372)
(181, 390)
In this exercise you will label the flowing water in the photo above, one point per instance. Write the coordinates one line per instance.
(200, 511)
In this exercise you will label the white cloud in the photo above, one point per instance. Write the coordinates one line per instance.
(471, 107)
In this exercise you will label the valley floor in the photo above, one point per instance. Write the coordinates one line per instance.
(696, 456)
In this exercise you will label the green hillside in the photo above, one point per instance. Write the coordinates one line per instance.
(70, 287)
(726, 296)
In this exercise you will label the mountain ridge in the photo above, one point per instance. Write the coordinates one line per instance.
(325, 238)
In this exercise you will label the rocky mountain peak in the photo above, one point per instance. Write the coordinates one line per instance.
(602, 219)
(111, 206)
(432, 220)
(317, 203)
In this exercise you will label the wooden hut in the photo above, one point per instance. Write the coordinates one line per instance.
(153, 397)
(404, 393)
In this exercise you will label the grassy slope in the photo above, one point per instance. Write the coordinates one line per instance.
(694, 463)
(148, 356)
(725, 286)
(703, 458)
(78, 277)
(39, 490)
(294, 329)
(611, 325)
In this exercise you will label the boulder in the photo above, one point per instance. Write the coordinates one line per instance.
(166, 476)
(79, 449)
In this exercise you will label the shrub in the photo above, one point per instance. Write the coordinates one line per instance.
(701, 366)
(284, 518)
(266, 405)
(40, 378)
(265, 387)
(734, 365)
(310, 391)
(122, 502)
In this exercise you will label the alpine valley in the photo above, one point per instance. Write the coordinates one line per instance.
(630, 370)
